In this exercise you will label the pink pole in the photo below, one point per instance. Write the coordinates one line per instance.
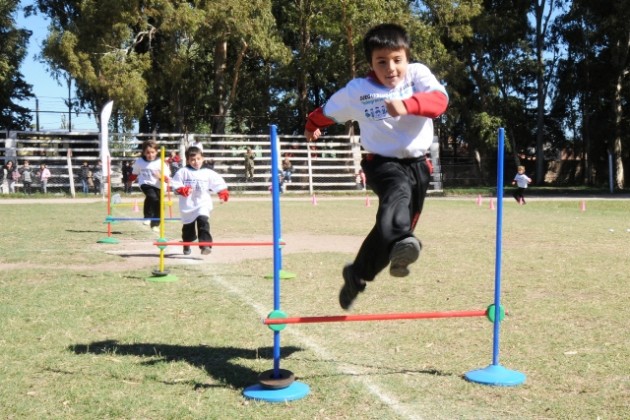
(374, 317)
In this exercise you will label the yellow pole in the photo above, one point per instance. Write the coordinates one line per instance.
(162, 185)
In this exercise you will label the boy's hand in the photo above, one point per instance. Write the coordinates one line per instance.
(224, 195)
(312, 135)
(395, 107)
(184, 191)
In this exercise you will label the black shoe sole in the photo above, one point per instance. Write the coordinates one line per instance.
(403, 253)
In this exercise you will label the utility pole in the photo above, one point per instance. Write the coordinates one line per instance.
(69, 105)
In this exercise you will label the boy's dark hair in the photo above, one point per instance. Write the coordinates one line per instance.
(385, 36)
(193, 151)
(149, 144)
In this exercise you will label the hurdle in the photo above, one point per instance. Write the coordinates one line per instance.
(279, 385)
(109, 219)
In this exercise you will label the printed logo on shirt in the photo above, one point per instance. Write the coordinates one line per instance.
(378, 110)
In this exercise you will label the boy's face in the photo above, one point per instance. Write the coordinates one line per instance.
(390, 66)
(150, 153)
(195, 161)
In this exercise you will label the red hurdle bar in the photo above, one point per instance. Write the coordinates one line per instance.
(374, 317)
(216, 243)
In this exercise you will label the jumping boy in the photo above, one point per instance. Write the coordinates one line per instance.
(193, 183)
(394, 106)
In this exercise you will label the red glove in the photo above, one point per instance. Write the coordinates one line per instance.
(224, 195)
(133, 177)
(184, 191)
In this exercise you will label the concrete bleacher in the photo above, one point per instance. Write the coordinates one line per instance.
(329, 165)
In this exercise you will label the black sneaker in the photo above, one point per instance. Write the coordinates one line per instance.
(404, 252)
(205, 250)
(186, 250)
(352, 286)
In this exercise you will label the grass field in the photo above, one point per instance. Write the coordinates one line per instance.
(84, 335)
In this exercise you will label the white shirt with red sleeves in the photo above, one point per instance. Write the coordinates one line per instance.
(201, 181)
(149, 172)
(363, 100)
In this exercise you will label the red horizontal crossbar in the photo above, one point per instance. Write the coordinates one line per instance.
(374, 317)
(216, 243)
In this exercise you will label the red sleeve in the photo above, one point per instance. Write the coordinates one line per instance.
(317, 119)
(427, 104)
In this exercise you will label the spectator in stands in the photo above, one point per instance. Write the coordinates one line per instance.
(27, 177)
(147, 171)
(394, 106)
(126, 172)
(11, 174)
(287, 169)
(97, 175)
(193, 183)
(44, 175)
(3, 177)
(248, 158)
(85, 177)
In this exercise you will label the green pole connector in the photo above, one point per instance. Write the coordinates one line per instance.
(276, 314)
(490, 313)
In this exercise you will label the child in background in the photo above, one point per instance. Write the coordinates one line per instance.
(394, 106)
(193, 183)
(520, 180)
(147, 171)
(44, 174)
(27, 177)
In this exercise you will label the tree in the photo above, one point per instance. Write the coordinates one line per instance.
(597, 35)
(13, 87)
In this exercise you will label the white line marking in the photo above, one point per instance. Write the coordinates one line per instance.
(374, 389)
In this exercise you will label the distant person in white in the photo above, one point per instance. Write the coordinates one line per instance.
(521, 181)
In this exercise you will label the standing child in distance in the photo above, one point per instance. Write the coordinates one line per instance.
(394, 106)
(193, 183)
(147, 170)
(44, 175)
(520, 180)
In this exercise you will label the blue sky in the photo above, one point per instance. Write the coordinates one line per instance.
(50, 94)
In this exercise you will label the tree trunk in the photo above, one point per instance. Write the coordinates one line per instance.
(220, 60)
(305, 47)
(617, 148)
(540, 115)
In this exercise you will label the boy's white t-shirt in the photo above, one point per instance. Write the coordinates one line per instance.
(363, 100)
(522, 180)
(149, 171)
(202, 181)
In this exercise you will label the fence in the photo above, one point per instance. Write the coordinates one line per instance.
(329, 165)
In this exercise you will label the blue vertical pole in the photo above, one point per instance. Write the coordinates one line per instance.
(296, 389)
(275, 193)
(495, 374)
(497, 262)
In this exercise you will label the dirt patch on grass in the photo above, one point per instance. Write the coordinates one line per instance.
(141, 254)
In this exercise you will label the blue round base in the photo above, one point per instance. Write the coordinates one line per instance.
(496, 375)
(295, 391)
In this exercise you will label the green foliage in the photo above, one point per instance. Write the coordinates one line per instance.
(553, 73)
(13, 87)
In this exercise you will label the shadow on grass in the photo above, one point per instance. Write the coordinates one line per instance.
(373, 370)
(92, 231)
(218, 362)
